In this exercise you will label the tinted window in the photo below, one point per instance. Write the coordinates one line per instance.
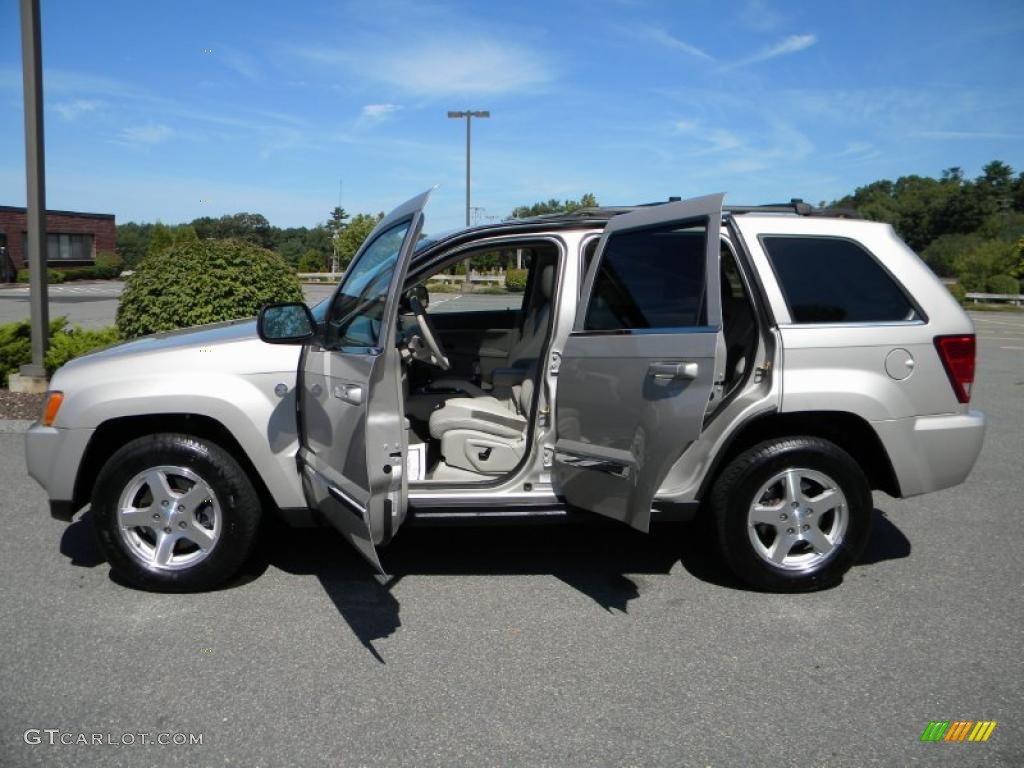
(652, 278)
(358, 309)
(827, 280)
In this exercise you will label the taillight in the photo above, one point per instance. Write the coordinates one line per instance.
(957, 355)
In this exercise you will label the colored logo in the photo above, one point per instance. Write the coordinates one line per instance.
(958, 730)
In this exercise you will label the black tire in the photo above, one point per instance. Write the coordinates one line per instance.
(733, 496)
(239, 510)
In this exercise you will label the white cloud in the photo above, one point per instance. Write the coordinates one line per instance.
(242, 63)
(757, 15)
(146, 134)
(444, 66)
(712, 140)
(968, 135)
(792, 44)
(69, 111)
(377, 112)
(666, 39)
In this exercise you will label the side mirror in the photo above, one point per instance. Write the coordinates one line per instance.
(421, 294)
(286, 324)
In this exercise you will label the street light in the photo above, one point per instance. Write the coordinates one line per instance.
(469, 115)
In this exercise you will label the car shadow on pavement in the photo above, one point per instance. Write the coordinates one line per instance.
(593, 558)
(887, 542)
(79, 544)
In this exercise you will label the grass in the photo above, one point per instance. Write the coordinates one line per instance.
(1002, 307)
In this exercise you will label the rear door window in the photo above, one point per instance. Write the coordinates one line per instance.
(833, 280)
(650, 278)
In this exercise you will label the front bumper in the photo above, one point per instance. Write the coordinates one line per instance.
(929, 453)
(53, 456)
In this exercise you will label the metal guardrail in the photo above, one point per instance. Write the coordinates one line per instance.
(1013, 298)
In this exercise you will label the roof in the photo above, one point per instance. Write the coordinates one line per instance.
(49, 212)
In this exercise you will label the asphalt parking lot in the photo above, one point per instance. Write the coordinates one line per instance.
(94, 304)
(535, 647)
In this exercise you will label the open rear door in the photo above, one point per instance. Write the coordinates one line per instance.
(643, 360)
(351, 420)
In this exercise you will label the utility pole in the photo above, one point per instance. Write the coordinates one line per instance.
(469, 115)
(32, 377)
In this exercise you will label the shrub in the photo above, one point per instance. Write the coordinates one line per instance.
(958, 291)
(515, 280)
(75, 342)
(202, 281)
(53, 276)
(1002, 284)
(16, 345)
(89, 273)
(109, 260)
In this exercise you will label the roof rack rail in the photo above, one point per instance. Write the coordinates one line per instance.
(797, 206)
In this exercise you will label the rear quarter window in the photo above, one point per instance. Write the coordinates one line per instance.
(832, 280)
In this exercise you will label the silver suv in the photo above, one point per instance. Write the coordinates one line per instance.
(763, 368)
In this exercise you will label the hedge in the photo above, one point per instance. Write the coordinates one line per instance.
(203, 281)
(515, 280)
(65, 344)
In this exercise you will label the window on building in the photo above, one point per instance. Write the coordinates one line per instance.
(63, 247)
(831, 280)
(651, 278)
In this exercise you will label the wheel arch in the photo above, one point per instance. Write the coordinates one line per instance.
(112, 434)
(849, 431)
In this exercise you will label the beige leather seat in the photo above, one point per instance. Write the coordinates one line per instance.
(483, 434)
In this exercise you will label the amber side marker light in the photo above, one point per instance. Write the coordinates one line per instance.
(53, 401)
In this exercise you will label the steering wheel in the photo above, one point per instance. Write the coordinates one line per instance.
(427, 333)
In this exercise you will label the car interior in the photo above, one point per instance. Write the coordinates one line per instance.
(472, 361)
(473, 356)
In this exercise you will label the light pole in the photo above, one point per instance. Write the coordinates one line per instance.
(469, 115)
(32, 75)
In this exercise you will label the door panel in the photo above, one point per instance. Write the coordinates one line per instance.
(639, 368)
(352, 426)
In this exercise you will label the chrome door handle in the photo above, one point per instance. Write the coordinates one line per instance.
(673, 371)
(350, 393)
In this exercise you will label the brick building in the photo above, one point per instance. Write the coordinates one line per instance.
(72, 238)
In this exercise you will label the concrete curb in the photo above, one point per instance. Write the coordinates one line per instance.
(15, 425)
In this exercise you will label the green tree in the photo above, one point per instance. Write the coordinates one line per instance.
(352, 237)
(312, 261)
(588, 200)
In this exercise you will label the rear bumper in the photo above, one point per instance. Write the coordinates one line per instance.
(929, 453)
(53, 456)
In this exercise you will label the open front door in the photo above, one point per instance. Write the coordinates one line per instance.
(645, 357)
(352, 440)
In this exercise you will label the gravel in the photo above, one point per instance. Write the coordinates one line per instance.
(20, 406)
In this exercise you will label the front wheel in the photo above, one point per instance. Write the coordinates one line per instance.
(792, 514)
(175, 513)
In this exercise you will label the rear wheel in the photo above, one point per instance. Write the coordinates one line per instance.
(175, 513)
(792, 514)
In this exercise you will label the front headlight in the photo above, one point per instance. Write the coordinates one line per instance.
(50, 408)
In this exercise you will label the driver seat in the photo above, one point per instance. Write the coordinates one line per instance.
(483, 434)
(526, 351)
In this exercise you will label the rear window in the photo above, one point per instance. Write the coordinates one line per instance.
(651, 278)
(831, 280)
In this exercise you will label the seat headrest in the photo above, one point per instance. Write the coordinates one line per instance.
(547, 281)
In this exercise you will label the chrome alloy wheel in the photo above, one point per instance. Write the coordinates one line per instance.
(798, 519)
(169, 518)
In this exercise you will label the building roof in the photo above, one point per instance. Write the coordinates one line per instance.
(49, 212)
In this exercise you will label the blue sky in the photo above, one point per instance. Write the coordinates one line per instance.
(176, 110)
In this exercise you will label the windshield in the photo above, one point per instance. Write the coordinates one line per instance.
(357, 312)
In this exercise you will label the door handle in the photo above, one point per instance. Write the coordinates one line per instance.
(673, 371)
(350, 393)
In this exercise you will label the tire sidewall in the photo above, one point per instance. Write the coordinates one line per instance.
(752, 470)
(239, 510)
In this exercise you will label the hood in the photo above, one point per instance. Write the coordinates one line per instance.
(198, 336)
(232, 347)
